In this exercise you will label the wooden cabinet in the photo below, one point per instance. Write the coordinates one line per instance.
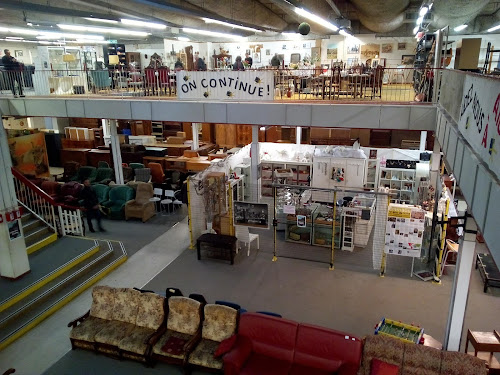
(133, 57)
(467, 53)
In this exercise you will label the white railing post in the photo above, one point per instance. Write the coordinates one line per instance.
(62, 220)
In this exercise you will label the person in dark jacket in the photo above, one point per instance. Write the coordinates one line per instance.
(200, 64)
(91, 204)
(248, 60)
(275, 61)
(13, 69)
(238, 65)
(178, 65)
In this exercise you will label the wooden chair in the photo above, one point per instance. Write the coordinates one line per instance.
(450, 250)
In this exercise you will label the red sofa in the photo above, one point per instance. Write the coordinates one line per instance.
(269, 345)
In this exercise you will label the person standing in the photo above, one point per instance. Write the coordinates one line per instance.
(178, 65)
(275, 61)
(91, 205)
(13, 69)
(248, 60)
(238, 65)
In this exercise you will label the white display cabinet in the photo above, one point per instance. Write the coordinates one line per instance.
(401, 181)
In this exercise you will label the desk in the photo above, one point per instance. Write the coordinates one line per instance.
(95, 156)
(184, 164)
(154, 159)
(75, 154)
(219, 241)
(488, 342)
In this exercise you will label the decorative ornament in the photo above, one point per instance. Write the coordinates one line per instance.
(304, 28)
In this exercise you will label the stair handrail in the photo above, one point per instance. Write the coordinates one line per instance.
(42, 194)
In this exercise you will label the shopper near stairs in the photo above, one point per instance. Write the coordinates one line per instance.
(91, 204)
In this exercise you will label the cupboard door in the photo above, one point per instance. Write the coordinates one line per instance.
(355, 173)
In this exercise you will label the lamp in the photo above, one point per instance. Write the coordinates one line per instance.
(69, 58)
(114, 60)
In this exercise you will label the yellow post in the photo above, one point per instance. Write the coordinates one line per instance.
(230, 209)
(191, 245)
(332, 267)
(275, 224)
(443, 241)
(384, 255)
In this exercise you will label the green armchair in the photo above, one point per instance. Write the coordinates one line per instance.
(102, 192)
(84, 173)
(103, 176)
(118, 197)
(100, 80)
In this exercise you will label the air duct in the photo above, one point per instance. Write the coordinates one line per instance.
(455, 12)
(382, 17)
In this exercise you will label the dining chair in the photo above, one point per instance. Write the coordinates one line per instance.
(157, 195)
(169, 199)
(243, 235)
(450, 250)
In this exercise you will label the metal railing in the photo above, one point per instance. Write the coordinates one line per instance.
(59, 217)
(302, 84)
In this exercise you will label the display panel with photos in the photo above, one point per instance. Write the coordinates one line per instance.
(251, 214)
(404, 230)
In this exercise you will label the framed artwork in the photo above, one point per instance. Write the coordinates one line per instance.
(306, 45)
(248, 51)
(251, 214)
(352, 49)
(315, 55)
(268, 52)
(256, 57)
(373, 154)
(387, 48)
(401, 46)
(407, 59)
(295, 58)
(331, 53)
(375, 63)
(18, 53)
(370, 51)
(284, 46)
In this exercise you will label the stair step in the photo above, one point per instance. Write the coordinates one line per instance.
(26, 217)
(27, 313)
(36, 235)
(30, 224)
(37, 243)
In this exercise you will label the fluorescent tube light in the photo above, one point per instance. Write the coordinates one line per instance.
(151, 25)
(212, 33)
(345, 33)
(415, 30)
(105, 30)
(182, 39)
(49, 35)
(24, 31)
(420, 20)
(460, 28)
(99, 20)
(493, 28)
(315, 18)
(423, 11)
(234, 26)
(14, 37)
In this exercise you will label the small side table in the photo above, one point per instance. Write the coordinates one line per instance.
(485, 343)
(220, 241)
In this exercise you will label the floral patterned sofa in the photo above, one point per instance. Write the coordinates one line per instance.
(120, 322)
(411, 359)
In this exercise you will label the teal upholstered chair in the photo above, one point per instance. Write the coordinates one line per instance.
(102, 192)
(100, 79)
(118, 197)
(103, 176)
(102, 164)
(84, 173)
(136, 166)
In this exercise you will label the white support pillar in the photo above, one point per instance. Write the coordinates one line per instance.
(51, 123)
(423, 140)
(254, 165)
(460, 288)
(116, 151)
(298, 135)
(196, 135)
(13, 256)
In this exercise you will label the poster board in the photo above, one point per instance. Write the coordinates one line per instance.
(404, 230)
(370, 51)
(249, 214)
(29, 154)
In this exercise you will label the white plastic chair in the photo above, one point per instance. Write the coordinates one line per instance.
(157, 194)
(176, 201)
(169, 199)
(243, 235)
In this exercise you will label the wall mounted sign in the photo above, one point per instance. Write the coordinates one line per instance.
(480, 119)
(225, 85)
(404, 230)
(14, 230)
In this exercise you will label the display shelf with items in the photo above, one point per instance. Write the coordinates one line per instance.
(299, 226)
(323, 227)
(284, 173)
(371, 174)
(402, 181)
(157, 130)
(244, 171)
(348, 221)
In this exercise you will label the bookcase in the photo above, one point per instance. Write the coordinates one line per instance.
(401, 181)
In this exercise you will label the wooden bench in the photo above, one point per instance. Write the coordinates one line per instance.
(488, 270)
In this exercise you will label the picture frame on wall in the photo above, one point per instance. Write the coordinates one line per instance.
(268, 52)
(18, 53)
(284, 46)
(248, 51)
(352, 49)
(407, 59)
(256, 57)
(401, 46)
(386, 47)
(251, 214)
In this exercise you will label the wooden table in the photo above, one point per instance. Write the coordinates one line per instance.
(487, 343)
(220, 241)
(154, 159)
(184, 164)
(75, 154)
(96, 155)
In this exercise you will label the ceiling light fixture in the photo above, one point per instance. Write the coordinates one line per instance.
(460, 28)
(23, 31)
(423, 11)
(182, 39)
(234, 26)
(415, 30)
(212, 33)
(100, 20)
(47, 35)
(420, 20)
(104, 30)
(493, 28)
(29, 24)
(14, 37)
(151, 25)
(312, 17)
(345, 33)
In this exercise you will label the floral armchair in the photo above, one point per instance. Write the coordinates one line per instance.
(173, 343)
(220, 323)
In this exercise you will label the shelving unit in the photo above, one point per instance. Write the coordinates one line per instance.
(294, 233)
(300, 175)
(323, 227)
(423, 58)
(115, 49)
(157, 130)
(348, 222)
(371, 174)
(402, 181)
(244, 170)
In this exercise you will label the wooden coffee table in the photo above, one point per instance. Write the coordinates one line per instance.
(218, 241)
(485, 344)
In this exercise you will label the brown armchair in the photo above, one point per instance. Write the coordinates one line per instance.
(141, 207)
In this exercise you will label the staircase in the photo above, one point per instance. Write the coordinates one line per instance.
(37, 233)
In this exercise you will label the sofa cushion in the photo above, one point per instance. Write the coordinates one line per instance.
(219, 323)
(183, 315)
(383, 368)
(87, 330)
(157, 348)
(114, 332)
(421, 360)
(225, 346)
(326, 349)
(135, 341)
(203, 355)
(103, 302)
(126, 305)
(270, 336)
(298, 369)
(455, 363)
(264, 365)
(382, 347)
(150, 313)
